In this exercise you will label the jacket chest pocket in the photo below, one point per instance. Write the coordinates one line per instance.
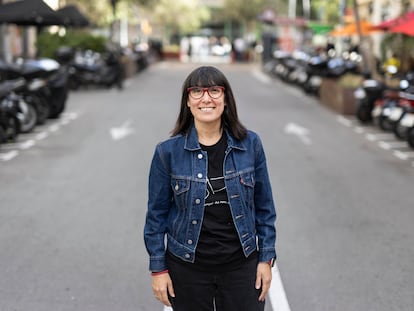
(247, 182)
(180, 187)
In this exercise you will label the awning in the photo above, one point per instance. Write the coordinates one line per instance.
(352, 29)
(73, 17)
(29, 13)
(395, 21)
(406, 27)
(320, 29)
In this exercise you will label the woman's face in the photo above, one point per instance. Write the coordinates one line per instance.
(206, 104)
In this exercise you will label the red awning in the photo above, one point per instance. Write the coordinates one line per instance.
(406, 27)
(395, 21)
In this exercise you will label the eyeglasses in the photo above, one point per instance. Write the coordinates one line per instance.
(197, 92)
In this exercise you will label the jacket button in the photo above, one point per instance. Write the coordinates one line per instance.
(187, 256)
(190, 242)
(199, 175)
(176, 187)
(194, 222)
(197, 201)
(200, 156)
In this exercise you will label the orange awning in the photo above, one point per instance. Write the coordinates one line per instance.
(352, 29)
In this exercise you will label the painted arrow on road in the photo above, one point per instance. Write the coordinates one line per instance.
(299, 131)
(123, 131)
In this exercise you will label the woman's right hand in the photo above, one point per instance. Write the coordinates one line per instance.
(162, 286)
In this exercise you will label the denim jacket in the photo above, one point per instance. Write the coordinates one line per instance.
(177, 187)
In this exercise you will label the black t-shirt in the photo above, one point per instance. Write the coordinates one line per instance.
(218, 244)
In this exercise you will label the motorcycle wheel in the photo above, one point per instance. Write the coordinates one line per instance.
(3, 137)
(410, 137)
(58, 103)
(73, 83)
(29, 121)
(13, 129)
(384, 123)
(43, 110)
(399, 131)
(363, 114)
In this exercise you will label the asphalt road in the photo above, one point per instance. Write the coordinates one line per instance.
(73, 200)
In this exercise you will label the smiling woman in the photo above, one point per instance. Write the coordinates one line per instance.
(210, 198)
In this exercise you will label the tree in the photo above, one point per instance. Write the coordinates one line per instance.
(98, 11)
(180, 16)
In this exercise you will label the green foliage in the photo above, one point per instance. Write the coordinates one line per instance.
(99, 12)
(181, 15)
(327, 11)
(400, 45)
(47, 43)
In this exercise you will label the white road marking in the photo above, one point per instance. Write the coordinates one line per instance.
(121, 132)
(42, 135)
(8, 155)
(382, 136)
(344, 121)
(299, 131)
(27, 144)
(261, 77)
(391, 145)
(359, 129)
(403, 155)
(54, 128)
(277, 294)
(32, 137)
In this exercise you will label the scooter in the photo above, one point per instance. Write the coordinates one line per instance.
(404, 106)
(405, 125)
(91, 68)
(389, 104)
(366, 95)
(9, 121)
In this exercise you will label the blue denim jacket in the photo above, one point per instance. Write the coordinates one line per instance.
(177, 187)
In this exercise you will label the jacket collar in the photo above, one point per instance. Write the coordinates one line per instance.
(192, 144)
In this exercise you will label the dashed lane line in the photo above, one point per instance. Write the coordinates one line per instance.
(387, 145)
(9, 151)
(386, 141)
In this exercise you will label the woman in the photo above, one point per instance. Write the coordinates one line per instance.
(210, 199)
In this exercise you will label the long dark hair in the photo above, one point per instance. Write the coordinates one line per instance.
(209, 76)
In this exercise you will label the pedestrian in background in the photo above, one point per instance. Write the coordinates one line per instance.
(210, 200)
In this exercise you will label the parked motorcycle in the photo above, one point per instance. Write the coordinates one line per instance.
(405, 105)
(46, 84)
(405, 125)
(388, 106)
(368, 93)
(9, 122)
(321, 66)
(91, 68)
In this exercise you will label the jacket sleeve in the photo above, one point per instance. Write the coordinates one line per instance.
(265, 212)
(159, 200)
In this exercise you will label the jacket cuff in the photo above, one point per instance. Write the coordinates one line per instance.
(157, 264)
(267, 255)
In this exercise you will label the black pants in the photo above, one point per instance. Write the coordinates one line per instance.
(199, 290)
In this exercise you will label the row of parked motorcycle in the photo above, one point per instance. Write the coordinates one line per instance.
(377, 100)
(34, 90)
(388, 105)
(31, 91)
(307, 68)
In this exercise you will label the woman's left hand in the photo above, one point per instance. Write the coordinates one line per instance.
(263, 278)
